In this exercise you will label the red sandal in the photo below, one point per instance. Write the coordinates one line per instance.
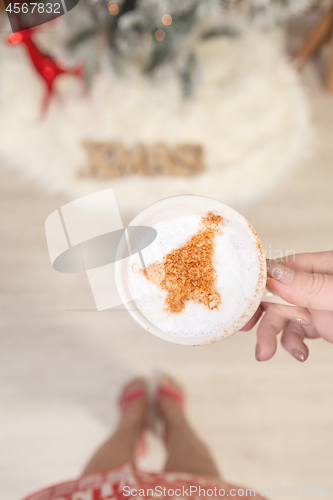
(141, 447)
(163, 388)
(172, 392)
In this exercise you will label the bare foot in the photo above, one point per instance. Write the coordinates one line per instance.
(170, 405)
(134, 408)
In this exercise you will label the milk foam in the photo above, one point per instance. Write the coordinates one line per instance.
(237, 267)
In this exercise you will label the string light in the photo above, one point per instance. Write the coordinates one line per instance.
(113, 8)
(167, 19)
(160, 35)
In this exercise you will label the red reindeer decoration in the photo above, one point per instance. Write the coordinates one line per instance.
(48, 69)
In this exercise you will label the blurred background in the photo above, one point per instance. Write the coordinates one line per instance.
(232, 100)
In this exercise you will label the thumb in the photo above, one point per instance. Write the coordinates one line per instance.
(312, 290)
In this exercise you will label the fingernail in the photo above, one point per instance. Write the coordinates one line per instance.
(300, 321)
(280, 272)
(258, 352)
(298, 355)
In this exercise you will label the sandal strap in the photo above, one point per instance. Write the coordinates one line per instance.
(172, 393)
(136, 393)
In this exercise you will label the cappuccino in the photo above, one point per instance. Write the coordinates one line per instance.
(203, 276)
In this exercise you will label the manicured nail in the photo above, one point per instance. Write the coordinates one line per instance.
(300, 321)
(298, 355)
(280, 272)
(258, 352)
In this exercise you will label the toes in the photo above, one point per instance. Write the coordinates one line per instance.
(137, 383)
(170, 396)
(169, 382)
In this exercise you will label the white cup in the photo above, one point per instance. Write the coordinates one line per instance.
(183, 205)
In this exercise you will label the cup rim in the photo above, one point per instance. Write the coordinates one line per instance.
(147, 325)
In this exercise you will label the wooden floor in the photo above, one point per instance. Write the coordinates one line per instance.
(269, 425)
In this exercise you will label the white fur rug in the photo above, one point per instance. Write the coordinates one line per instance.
(249, 113)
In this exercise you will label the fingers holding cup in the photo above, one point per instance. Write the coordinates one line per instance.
(268, 329)
(293, 341)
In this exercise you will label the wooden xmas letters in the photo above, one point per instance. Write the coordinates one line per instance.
(112, 159)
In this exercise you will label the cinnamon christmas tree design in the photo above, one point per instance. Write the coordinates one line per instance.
(188, 273)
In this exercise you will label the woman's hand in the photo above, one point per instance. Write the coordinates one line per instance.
(307, 281)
